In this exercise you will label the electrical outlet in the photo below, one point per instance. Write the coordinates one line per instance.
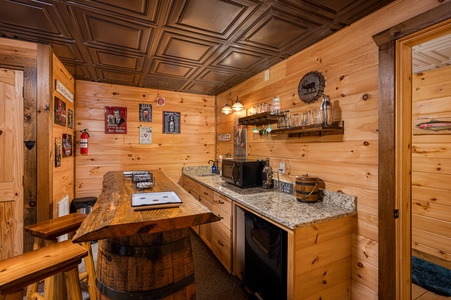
(282, 167)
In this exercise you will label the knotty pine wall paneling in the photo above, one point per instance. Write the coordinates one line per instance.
(64, 175)
(194, 146)
(349, 162)
(431, 167)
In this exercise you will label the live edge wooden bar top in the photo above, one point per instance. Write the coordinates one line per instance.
(113, 216)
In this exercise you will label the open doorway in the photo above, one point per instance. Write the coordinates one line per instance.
(395, 142)
(431, 167)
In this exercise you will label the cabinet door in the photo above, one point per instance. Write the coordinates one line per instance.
(221, 244)
(11, 163)
(205, 229)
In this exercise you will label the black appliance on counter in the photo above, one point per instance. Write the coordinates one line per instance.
(265, 256)
(242, 173)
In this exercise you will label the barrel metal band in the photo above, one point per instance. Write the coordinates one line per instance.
(146, 251)
(148, 295)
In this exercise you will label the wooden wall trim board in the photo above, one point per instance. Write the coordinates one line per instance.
(44, 144)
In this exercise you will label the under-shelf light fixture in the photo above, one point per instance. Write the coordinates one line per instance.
(237, 106)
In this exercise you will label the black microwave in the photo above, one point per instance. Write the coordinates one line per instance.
(242, 173)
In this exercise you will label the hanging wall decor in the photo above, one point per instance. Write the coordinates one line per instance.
(145, 112)
(171, 122)
(57, 152)
(67, 145)
(311, 87)
(115, 119)
(59, 112)
(145, 135)
(70, 118)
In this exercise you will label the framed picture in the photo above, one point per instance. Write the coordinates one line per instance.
(239, 141)
(145, 112)
(57, 152)
(59, 109)
(70, 118)
(67, 145)
(145, 135)
(115, 119)
(171, 122)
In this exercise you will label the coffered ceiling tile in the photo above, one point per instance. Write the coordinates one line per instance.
(112, 33)
(239, 59)
(117, 77)
(276, 30)
(172, 68)
(200, 88)
(103, 58)
(145, 10)
(163, 83)
(67, 52)
(184, 47)
(216, 18)
(35, 21)
(217, 75)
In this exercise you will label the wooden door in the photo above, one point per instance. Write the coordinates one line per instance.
(11, 163)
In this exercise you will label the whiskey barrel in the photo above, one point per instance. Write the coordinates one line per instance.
(146, 266)
(307, 188)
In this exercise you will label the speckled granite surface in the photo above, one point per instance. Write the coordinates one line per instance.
(279, 207)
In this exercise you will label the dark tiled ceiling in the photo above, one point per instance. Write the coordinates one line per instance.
(194, 46)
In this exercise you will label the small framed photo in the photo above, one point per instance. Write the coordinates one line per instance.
(70, 118)
(115, 119)
(171, 122)
(59, 116)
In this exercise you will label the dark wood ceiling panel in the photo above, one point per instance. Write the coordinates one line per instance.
(156, 81)
(109, 59)
(33, 21)
(104, 31)
(111, 76)
(194, 46)
(215, 18)
(139, 9)
(171, 68)
(173, 46)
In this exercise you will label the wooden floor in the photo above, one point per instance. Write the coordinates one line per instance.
(419, 293)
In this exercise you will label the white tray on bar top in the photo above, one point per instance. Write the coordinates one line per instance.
(155, 200)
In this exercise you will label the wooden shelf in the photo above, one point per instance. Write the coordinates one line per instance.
(312, 130)
(258, 119)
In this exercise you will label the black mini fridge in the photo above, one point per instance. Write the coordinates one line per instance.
(265, 271)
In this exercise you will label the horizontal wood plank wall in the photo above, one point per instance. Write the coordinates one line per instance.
(120, 152)
(348, 163)
(431, 167)
(63, 176)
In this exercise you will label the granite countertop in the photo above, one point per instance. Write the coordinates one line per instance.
(280, 207)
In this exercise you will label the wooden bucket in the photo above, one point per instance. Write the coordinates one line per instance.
(307, 188)
(146, 266)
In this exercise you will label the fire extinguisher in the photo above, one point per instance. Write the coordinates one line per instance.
(84, 142)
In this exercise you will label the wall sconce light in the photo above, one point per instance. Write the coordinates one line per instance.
(237, 106)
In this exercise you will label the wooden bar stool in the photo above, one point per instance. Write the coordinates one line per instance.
(22, 270)
(47, 232)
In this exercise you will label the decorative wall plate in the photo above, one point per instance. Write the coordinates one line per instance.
(311, 87)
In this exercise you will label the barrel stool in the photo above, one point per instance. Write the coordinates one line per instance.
(47, 232)
(22, 270)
